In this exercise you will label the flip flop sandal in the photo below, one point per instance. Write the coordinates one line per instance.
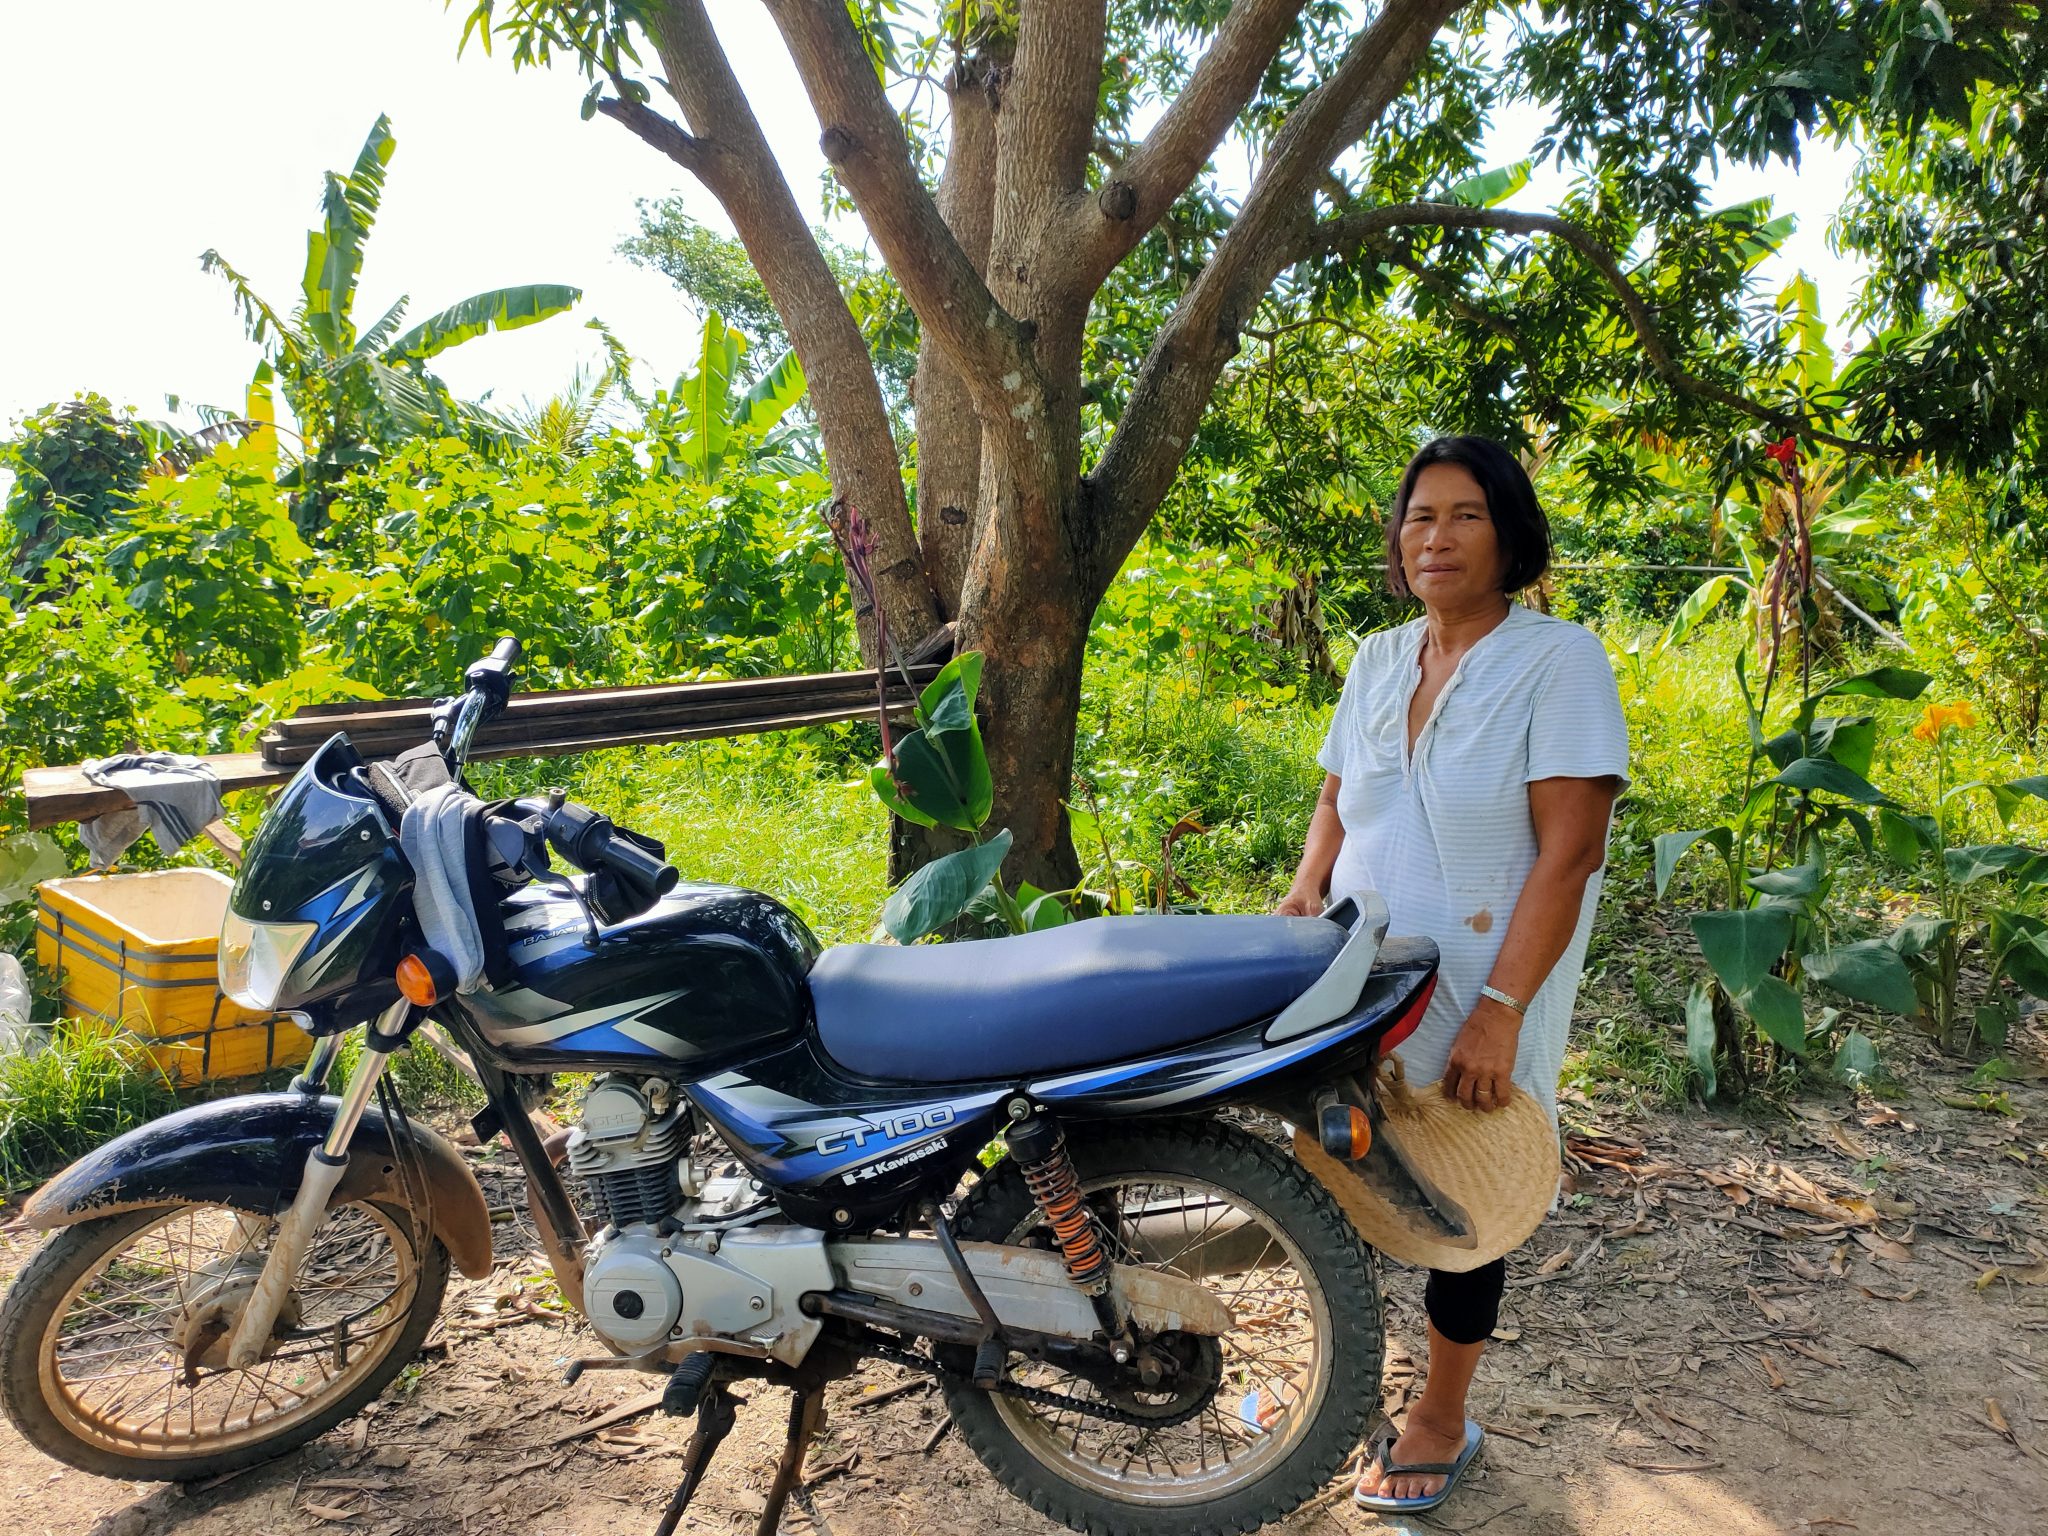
(1253, 1402)
(1381, 1448)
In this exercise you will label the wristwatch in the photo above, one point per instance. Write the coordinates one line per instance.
(1503, 999)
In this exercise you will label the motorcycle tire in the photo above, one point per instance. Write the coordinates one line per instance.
(1326, 1405)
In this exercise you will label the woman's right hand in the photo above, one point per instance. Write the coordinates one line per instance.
(1298, 903)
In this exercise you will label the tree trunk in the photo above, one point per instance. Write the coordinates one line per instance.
(948, 432)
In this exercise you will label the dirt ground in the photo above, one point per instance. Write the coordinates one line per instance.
(1824, 1320)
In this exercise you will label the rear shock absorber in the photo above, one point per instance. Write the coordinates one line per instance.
(1040, 1148)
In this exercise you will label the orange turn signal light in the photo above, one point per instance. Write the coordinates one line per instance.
(1345, 1132)
(416, 981)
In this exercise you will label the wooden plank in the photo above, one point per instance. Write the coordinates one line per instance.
(65, 794)
(321, 719)
(674, 706)
(590, 736)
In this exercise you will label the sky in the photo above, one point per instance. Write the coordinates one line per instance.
(134, 135)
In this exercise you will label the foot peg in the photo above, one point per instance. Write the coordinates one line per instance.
(989, 1356)
(686, 1384)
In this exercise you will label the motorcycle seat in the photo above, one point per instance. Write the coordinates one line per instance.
(1074, 996)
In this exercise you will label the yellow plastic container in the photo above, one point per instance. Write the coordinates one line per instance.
(140, 951)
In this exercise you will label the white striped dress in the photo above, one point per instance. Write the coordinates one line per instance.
(1446, 835)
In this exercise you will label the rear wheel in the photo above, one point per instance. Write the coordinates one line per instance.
(115, 1336)
(1212, 1203)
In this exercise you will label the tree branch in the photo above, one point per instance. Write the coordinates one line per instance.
(692, 154)
(1152, 176)
(863, 141)
(1190, 352)
(1042, 141)
(728, 151)
(1348, 231)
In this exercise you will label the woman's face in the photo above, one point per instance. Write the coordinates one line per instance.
(1450, 552)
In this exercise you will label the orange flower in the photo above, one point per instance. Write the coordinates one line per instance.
(1960, 716)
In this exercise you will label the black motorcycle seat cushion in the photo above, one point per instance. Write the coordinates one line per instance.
(1089, 992)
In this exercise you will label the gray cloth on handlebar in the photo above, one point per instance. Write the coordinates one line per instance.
(434, 835)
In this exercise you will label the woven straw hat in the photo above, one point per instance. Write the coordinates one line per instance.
(1444, 1186)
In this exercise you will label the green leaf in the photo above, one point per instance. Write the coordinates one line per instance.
(1491, 188)
(1699, 1035)
(1966, 866)
(1917, 935)
(1047, 911)
(1994, 1021)
(1850, 740)
(763, 405)
(1743, 944)
(1670, 847)
(2007, 796)
(884, 785)
(2019, 948)
(1882, 683)
(502, 309)
(1798, 880)
(1777, 1011)
(26, 860)
(1820, 773)
(947, 778)
(947, 702)
(1785, 748)
(1856, 1057)
(1702, 601)
(1870, 971)
(1854, 820)
(938, 893)
(1905, 836)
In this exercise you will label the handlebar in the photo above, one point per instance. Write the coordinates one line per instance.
(487, 689)
(590, 842)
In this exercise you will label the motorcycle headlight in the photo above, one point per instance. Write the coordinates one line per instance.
(255, 958)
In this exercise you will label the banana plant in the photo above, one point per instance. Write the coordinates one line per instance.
(700, 425)
(354, 391)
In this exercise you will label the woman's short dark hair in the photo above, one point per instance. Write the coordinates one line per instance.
(1518, 520)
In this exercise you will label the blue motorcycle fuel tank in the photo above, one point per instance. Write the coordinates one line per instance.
(708, 975)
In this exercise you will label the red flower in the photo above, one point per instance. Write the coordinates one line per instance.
(1786, 452)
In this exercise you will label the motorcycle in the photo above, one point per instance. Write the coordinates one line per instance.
(1040, 1169)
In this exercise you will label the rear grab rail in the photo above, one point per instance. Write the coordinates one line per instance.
(1336, 992)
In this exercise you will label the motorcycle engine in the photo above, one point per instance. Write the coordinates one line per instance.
(677, 1257)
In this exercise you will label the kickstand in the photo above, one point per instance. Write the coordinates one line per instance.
(806, 1418)
(714, 1422)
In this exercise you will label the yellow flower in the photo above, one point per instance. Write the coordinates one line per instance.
(1960, 715)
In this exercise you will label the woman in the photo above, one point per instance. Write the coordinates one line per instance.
(1472, 765)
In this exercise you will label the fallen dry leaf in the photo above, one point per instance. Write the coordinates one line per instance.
(1773, 1313)
(1884, 1247)
(327, 1511)
(1996, 1415)
(1555, 1262)
(1775, 1376)
(2032, 1274)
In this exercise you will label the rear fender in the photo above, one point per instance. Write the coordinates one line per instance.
(249, 1153)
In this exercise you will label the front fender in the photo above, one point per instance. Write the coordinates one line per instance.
(249, 1153)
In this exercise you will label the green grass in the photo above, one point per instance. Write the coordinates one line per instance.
(63, 1100)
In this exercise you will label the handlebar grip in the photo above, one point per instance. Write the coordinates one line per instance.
(636, 865)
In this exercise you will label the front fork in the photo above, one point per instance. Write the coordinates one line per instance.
(325, 1165)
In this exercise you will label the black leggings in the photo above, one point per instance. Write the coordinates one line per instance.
(1465, 1308)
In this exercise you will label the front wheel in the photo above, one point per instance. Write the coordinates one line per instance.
(115, 1336)
(1212, 1203)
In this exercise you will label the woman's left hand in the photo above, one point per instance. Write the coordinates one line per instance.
(1480, 1073)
